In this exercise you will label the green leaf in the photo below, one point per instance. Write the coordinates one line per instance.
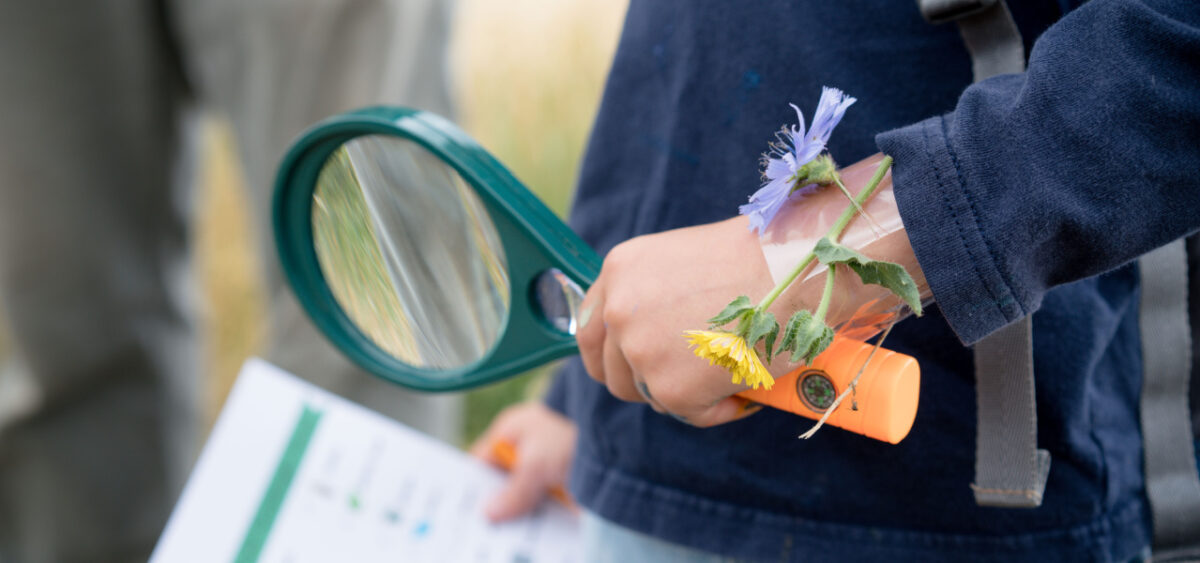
(819, 341)
(805, 337)
(760, 325)
(875, 272)
(788, 341)
(769, 342)
(763, 325)
(733, 310)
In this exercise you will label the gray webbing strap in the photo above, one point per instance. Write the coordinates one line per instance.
(1010, 471)
(987, 29)
(1172, 483)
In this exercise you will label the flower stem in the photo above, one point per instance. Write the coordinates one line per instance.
(770, 298)
(834, 233)
(837, 178)
(826, 296)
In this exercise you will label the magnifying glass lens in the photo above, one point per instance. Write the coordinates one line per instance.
(558, 299)
(410, 253)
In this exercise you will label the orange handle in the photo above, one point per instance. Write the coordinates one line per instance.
(506, 455)
(887, 392)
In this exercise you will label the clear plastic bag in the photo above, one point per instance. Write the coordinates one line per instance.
(856, 311)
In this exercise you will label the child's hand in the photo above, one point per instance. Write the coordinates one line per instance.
(544, 441)
(654, 287)
(651, 289)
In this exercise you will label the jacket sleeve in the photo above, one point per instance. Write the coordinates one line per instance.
(1077, 166)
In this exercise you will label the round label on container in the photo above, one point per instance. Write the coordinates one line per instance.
(816, 389)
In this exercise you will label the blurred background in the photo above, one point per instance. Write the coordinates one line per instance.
(98, 421)
(527, 77)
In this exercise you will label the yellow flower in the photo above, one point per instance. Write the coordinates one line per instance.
(730, 351)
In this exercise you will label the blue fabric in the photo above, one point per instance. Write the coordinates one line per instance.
(1016, 193)
(606, 542)
(1067, 171)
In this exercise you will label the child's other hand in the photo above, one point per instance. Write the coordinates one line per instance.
(544, 441)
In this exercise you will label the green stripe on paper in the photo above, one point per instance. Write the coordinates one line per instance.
(272, 501)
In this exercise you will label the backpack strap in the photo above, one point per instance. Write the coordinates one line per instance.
(1010, 470)
(988, 30)
(1172, 482)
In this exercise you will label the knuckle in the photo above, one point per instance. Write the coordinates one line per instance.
(590, 339)
(618, 255)
(621, 256)
(639, 353)
(617, 312)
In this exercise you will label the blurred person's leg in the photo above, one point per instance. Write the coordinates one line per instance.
(96, 429)
(276, 67)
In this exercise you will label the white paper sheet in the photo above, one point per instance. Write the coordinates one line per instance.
(294, 474)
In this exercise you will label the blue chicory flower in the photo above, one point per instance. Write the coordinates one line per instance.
(796, 148)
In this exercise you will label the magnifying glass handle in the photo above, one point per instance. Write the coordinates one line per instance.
(883, 405)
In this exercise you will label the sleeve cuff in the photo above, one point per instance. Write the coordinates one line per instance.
(940, 218)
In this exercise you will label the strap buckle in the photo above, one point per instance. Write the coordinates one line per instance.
(942, 11)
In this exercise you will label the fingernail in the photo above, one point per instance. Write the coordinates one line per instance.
(585, 315)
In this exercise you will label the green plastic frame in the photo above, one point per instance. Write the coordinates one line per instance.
(534, 240)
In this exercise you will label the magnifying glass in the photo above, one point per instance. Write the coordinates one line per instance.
(428, 264)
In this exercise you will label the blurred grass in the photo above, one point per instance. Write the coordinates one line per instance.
(346, 242)
(528, 76)
(233, 324)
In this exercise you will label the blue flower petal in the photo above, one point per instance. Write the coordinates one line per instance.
(807, 151)
(777, 168)
(798, 131)
(830, 110)
(765, 203)
(796, 148)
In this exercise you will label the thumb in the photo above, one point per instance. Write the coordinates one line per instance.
(527, 485)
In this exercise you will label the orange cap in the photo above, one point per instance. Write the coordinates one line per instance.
(886, 395)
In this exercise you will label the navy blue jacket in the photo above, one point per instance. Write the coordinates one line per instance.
(1024, 193)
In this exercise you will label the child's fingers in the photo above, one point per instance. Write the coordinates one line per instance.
(504, 428)
(525, 488)
(591, 333)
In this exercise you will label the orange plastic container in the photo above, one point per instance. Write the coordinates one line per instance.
(887, 393)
